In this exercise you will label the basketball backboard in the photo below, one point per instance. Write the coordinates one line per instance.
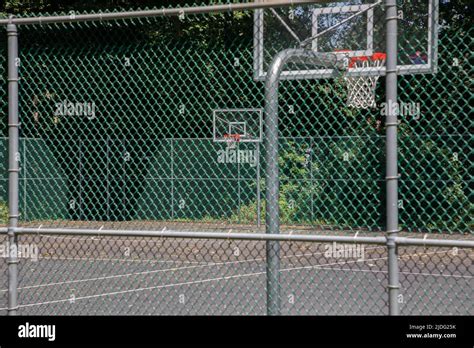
(356, 27)
(242, 125)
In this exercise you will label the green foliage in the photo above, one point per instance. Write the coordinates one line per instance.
(331, 156)
(3, 213)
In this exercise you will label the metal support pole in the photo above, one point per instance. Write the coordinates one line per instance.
(272, 209)
(392, 154)
(259, 194)
(272, 216)
(13, 167)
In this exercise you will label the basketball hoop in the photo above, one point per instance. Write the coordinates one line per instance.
(361, 89)
(232, 139)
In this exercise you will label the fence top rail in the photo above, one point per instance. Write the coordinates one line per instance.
(176, 11)
(381, 240)
(199, 235)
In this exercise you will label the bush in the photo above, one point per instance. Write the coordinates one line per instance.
(3, 212)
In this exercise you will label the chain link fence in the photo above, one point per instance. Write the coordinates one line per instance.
(119, 132)
(122, 275)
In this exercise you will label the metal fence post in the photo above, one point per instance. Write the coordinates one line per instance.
(392, 154)
(13, 167)
(259, 195)
(173, 213)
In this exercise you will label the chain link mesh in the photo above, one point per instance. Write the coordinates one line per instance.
(194, 277)
(152, 94)
(117, 133)
(436, 281)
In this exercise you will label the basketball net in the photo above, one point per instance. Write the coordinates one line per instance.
(361, 89)
(232, 140)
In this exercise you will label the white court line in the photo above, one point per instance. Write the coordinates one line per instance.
(141, 289)
(380, 271)
(173, 269)
(216, 264)
(129, 275)
(99, 238)
(243, 261)
(207, 281)
(163, 261)
(105, 259)
(402, 257)
(131, 260)
(118, 260)
(156, 271)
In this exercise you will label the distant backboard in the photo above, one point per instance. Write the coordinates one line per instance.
(242, 125)
(361, 33)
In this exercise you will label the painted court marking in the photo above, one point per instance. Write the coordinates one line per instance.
(176, 269)
(222, 278)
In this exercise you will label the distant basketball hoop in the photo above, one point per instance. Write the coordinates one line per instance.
(232, 139)
(234, 126)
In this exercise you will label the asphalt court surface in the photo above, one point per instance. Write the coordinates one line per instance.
(77, 275)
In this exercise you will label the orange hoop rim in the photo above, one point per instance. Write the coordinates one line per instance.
(232, 137)
(377, 56)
